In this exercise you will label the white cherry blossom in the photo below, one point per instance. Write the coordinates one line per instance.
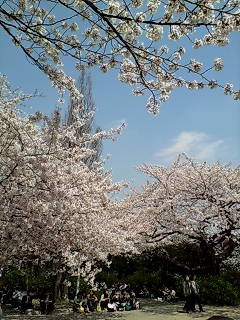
(103, 33)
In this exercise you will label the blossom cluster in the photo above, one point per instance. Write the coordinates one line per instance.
(191, 201)
(104, 33)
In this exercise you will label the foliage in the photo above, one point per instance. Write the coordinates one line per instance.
(130, 36)
(184, 258)
(152, 280)
(219, 291)
(14, 278)
(147, 270)
(109, 277)
(216, 290)
(231, 276)
(37, 278)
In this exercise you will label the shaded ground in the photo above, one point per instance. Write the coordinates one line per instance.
(151, 310)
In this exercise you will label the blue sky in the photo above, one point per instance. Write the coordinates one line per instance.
(205, 124)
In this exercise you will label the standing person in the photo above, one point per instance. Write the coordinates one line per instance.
(46, 302)
(195, 292)
(187, 291)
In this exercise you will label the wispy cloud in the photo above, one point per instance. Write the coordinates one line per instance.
(197, 144)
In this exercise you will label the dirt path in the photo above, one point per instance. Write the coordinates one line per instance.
(151, 310)
(156, 311)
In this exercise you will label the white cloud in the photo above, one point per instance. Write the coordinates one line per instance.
(209, 150)
(197, 144)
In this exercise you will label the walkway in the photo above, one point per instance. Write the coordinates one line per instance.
(151, 310)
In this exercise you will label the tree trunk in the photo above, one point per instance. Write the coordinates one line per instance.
(27, 281)
(57, 290)
(78, 285)
(65, 290)
(210, 257)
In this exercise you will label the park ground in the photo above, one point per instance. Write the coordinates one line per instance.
(151, 310)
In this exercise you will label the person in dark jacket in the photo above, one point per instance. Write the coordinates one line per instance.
(92, 301)
(26, 303)
(195, 293)
(187, 291)
(105, 298)
(46, 302)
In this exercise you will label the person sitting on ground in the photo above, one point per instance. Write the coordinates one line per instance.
(123, 286)
(84, 303)
(17, 298)
(77, 301)
(171, 295)
(113, 304)
(26, 303)
(92, 301)
(134, 302)
(144, 293)
(46, 302)
(128, 305)
(166, 294)
(104, 300)
(80, 303)
(121, 300)
(6, 295)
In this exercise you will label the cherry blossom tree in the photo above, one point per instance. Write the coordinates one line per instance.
(53, 206)
(193, 202)
(133, 36)
(233, 262)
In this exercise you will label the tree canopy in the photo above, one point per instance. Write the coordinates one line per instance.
(53, 206)
(131, 36)
(193, 202)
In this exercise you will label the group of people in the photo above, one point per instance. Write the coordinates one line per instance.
(28, 302)
(117, 298)
(114, 299)
(192, 295)
(167, 295)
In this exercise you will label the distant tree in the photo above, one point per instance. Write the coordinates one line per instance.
(86, 113)
(88, 106)
(132, 36)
